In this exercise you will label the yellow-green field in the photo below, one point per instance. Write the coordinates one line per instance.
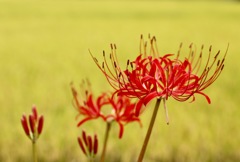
(44, 46)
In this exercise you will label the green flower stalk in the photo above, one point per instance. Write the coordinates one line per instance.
(108, 128)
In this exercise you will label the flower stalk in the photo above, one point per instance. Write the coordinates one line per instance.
(34, 151)
(108, 127)
(147, 137)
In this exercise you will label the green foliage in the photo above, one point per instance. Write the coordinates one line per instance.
(44, 46)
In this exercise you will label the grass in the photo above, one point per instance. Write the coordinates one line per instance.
(44, 46)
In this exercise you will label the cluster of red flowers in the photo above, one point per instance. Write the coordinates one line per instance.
(88, 145)
(152, 76)
(35, 122)
(149, 76)
(121, 108)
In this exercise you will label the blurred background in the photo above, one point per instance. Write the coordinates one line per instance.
(44, 46)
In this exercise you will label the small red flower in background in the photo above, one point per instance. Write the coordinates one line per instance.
(152, 76)
(121, 109)
(35, 123)
(88, 144)
(88, 107)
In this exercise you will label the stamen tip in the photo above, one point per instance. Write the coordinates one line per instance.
(210, 48)
(190, 46)
(181, 44)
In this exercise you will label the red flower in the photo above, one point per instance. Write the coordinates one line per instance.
(88, 107)
(159, 78)
(35, 123)
(150, 76)
(88, 144)
(122, 110)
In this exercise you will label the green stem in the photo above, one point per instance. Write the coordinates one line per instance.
(108, 127)
(34, 149)
(144, 146)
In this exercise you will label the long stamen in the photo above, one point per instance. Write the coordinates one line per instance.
(141, 45)
(179, 50)
(107, 66)
(198, 62)
(110, 78)
(209, 56)
(190, 51)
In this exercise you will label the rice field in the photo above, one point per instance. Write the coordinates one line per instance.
(44, 45)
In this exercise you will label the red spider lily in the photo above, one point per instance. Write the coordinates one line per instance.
(151, 76)
(160, 78)
(88, 144)
(35, 123)
(122, 110)
(89, 108)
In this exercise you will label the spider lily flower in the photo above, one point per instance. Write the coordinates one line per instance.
(152, 76)
(122, 110)
(88, 107)
(34, 125)
(160, 78)
(88, 144)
